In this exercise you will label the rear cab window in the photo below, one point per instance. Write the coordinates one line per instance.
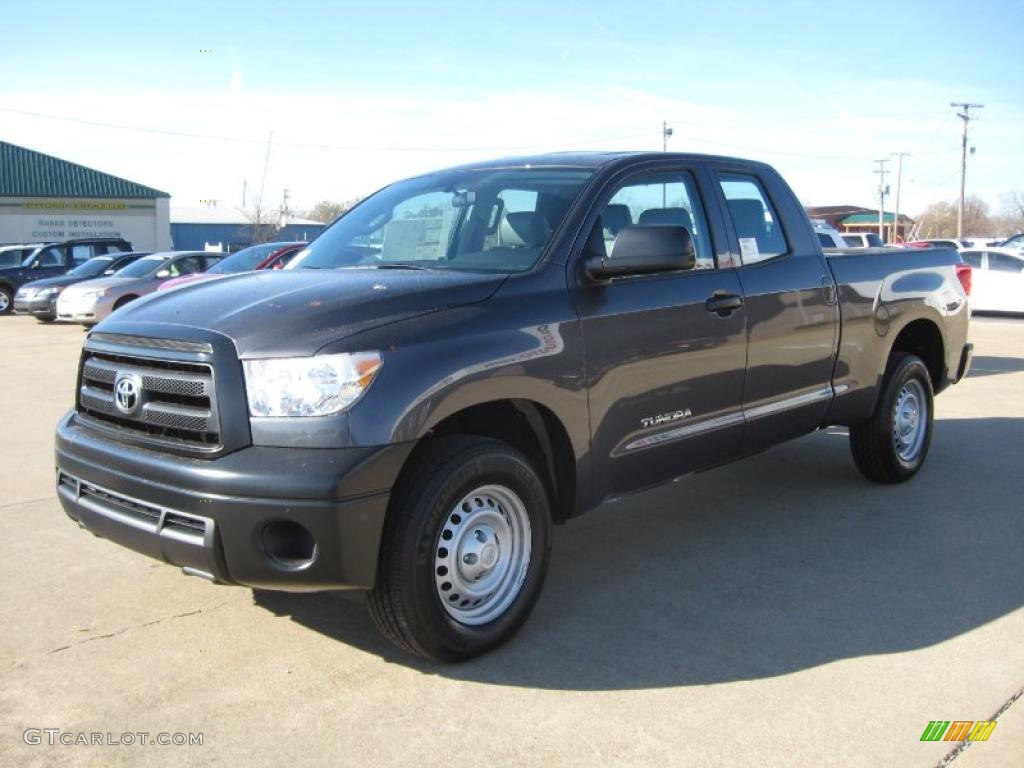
(754, 219)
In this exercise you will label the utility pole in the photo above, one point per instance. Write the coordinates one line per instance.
(666, 133)
(966, 117)
(882, 190)
(899, 178)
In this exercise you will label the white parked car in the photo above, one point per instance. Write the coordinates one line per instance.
(863, 240)
(1016, 242)
(997, 279)
(828, 235)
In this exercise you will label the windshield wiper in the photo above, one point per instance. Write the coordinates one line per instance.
(399, 266)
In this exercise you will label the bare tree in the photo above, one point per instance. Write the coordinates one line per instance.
(939, 219)
(264, 221)
(328, 210)
(1012, 220)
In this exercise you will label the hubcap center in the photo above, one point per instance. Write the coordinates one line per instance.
(479, 553)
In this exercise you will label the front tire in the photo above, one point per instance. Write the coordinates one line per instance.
(892, 445)
(464, 551)
(6, 300)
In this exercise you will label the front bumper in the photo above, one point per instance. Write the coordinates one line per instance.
(46, 308)
(75, 309)
(211, 516)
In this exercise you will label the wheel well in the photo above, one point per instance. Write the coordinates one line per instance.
(124, 300)
(531, 428)
(7, 287)
(923, 338)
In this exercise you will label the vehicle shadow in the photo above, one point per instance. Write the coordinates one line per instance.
(991, 366)
(776, 564)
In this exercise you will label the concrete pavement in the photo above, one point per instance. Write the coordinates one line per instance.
(780, 611)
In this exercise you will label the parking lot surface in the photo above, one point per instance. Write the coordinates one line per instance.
(779, 611)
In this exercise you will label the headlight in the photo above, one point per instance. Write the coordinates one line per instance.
(25, 293)
(308, 386)
(45, 293)
(94, 293)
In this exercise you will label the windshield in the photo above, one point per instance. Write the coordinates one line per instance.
(495, 220)
(244, 260)
(144, 266)
(92, 267)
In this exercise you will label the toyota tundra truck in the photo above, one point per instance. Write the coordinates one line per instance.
(472, 356)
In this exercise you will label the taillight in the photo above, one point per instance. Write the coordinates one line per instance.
(963, 273)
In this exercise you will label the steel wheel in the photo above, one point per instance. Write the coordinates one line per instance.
(482, 555)
(910, 420)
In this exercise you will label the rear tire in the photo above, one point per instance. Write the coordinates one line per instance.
(892, 445)
(6, 300)
(464, 551)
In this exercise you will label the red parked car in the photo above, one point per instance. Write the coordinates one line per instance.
(265, 256)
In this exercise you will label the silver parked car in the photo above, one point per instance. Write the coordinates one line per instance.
(93, 300)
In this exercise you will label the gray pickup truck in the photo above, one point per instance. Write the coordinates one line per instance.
(471, 356)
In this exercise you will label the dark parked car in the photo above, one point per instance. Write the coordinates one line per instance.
(468, 357)
(39, 298)
(14, 255)
(51, 260)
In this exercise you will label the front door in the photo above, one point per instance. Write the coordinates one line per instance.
(664, 366)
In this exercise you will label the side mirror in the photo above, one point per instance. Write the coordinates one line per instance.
(36, 265)
(163, 274)
(641, 250)
(109, 271)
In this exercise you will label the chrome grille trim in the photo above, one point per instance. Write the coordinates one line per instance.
(127, 340)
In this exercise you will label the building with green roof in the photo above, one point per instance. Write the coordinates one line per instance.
(45, 198)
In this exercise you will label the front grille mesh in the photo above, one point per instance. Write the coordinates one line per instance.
(176, 402)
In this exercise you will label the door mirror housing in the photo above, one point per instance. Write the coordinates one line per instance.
(643, 250)
(163, 274)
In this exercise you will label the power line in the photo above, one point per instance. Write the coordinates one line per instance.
(311, 145)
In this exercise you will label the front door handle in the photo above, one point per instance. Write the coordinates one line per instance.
(724, 304)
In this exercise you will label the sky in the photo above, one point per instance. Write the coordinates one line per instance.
(187, 96)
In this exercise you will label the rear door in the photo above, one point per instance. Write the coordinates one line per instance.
(1005, 282)
(792, 311)
(664, 368)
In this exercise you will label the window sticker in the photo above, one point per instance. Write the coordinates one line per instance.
(748, 249)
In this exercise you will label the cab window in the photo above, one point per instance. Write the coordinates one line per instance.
(659, 199)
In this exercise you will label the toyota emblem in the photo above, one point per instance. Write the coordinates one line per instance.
(126, 393)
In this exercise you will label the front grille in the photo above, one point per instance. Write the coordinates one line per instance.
(175, 402)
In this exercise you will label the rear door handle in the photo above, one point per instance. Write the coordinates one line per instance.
(724, 304)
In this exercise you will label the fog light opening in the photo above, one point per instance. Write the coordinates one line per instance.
(289, 545)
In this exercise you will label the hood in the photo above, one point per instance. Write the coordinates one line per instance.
(57, 282)
(296, 312)
(102, 282)
(175, 282)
